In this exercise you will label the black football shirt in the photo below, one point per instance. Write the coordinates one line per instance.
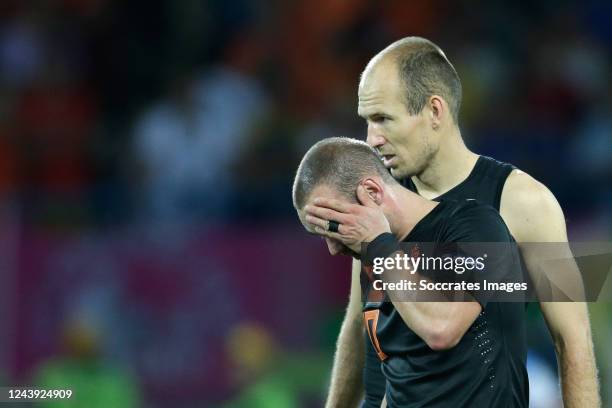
(487, 367)
(485, 183)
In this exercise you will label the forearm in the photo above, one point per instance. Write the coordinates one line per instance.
(576, 360)
(346, 383)
(346, 386)
(569, 326)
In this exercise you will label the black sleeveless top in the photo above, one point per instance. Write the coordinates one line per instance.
(485, 183)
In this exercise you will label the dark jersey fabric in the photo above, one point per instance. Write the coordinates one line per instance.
(485, 183)
(487, 367)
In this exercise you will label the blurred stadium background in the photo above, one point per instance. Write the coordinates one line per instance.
(149, 251)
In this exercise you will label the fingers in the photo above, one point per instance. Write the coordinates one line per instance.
(333, 204)
(317, 222)
(326, 214)
(334, 235)
(320, 225)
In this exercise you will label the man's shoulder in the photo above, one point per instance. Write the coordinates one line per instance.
(526, 203)
(522, 188)
(523, 192)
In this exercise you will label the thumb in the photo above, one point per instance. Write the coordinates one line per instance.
(364, 198)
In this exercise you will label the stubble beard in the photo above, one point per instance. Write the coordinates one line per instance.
(419, 166)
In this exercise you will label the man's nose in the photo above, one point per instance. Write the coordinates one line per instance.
(334, 247)
(375, 138)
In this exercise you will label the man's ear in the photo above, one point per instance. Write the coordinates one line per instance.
(370, 192)
(437, 107)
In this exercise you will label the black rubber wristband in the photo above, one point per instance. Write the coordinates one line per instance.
(381, 247)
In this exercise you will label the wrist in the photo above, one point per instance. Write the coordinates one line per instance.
(380, 247)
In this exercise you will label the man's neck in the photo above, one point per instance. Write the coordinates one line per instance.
(406, 210)
(452, 163)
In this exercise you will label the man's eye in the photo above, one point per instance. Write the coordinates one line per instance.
(379, 119)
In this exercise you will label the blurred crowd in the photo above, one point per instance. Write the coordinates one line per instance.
(159, 125)
(113, 112)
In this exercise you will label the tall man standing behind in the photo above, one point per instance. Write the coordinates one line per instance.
(410, 96)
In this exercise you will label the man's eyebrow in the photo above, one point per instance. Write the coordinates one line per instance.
(373, 114)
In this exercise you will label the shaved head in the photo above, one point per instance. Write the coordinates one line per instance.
(339, 163)
(422, 70)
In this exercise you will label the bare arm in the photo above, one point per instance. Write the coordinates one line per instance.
(533, 215)
(346, 386)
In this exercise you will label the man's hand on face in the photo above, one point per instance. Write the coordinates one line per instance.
(357, 223)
